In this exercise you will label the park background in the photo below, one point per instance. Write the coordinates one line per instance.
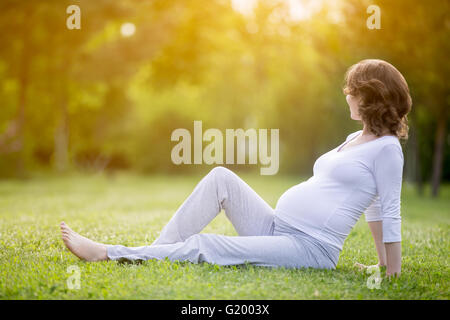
(86, 117)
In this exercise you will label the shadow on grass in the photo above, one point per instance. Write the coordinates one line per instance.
(239, 267)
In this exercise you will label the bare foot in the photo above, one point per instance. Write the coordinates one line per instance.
(82, 247)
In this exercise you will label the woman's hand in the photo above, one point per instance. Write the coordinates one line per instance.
(363, 267)
(390, 273)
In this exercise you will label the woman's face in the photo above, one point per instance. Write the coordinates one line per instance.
(353, 104)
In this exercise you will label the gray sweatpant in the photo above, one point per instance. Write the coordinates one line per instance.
(263, 239)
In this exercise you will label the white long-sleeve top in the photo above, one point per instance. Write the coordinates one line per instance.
(365, 178)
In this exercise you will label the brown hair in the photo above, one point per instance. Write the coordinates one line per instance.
(384, 99)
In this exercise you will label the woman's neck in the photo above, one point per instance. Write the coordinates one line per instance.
(367, 133)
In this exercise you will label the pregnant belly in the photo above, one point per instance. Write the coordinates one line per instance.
(313, 200)
(322, 208)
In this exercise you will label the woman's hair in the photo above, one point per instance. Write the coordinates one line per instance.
(384, 99)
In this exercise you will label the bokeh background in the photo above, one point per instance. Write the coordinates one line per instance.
(107, 97)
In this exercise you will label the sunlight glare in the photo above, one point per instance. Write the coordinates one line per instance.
(127, 29)
(298, 9)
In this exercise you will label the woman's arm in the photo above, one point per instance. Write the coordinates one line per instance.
(376, 227)
(393, 258)
(389, 253)
(383, 215)
(388, 172)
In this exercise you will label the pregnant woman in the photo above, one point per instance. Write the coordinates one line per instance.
(311, 220)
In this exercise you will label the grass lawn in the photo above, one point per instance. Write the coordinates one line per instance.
(131, 210)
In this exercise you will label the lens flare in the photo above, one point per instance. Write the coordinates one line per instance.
(127, 29)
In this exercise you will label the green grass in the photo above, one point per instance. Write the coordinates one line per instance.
(131, 210)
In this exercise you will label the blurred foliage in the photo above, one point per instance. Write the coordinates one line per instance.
(94, 99)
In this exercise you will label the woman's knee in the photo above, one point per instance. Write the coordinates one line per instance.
(221, 173)
(220, 170)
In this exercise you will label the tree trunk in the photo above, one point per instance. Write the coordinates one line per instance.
(417, 167)
(22, 101)
(438, 155)
(61, 137)
(61, 131)
(20, 163)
